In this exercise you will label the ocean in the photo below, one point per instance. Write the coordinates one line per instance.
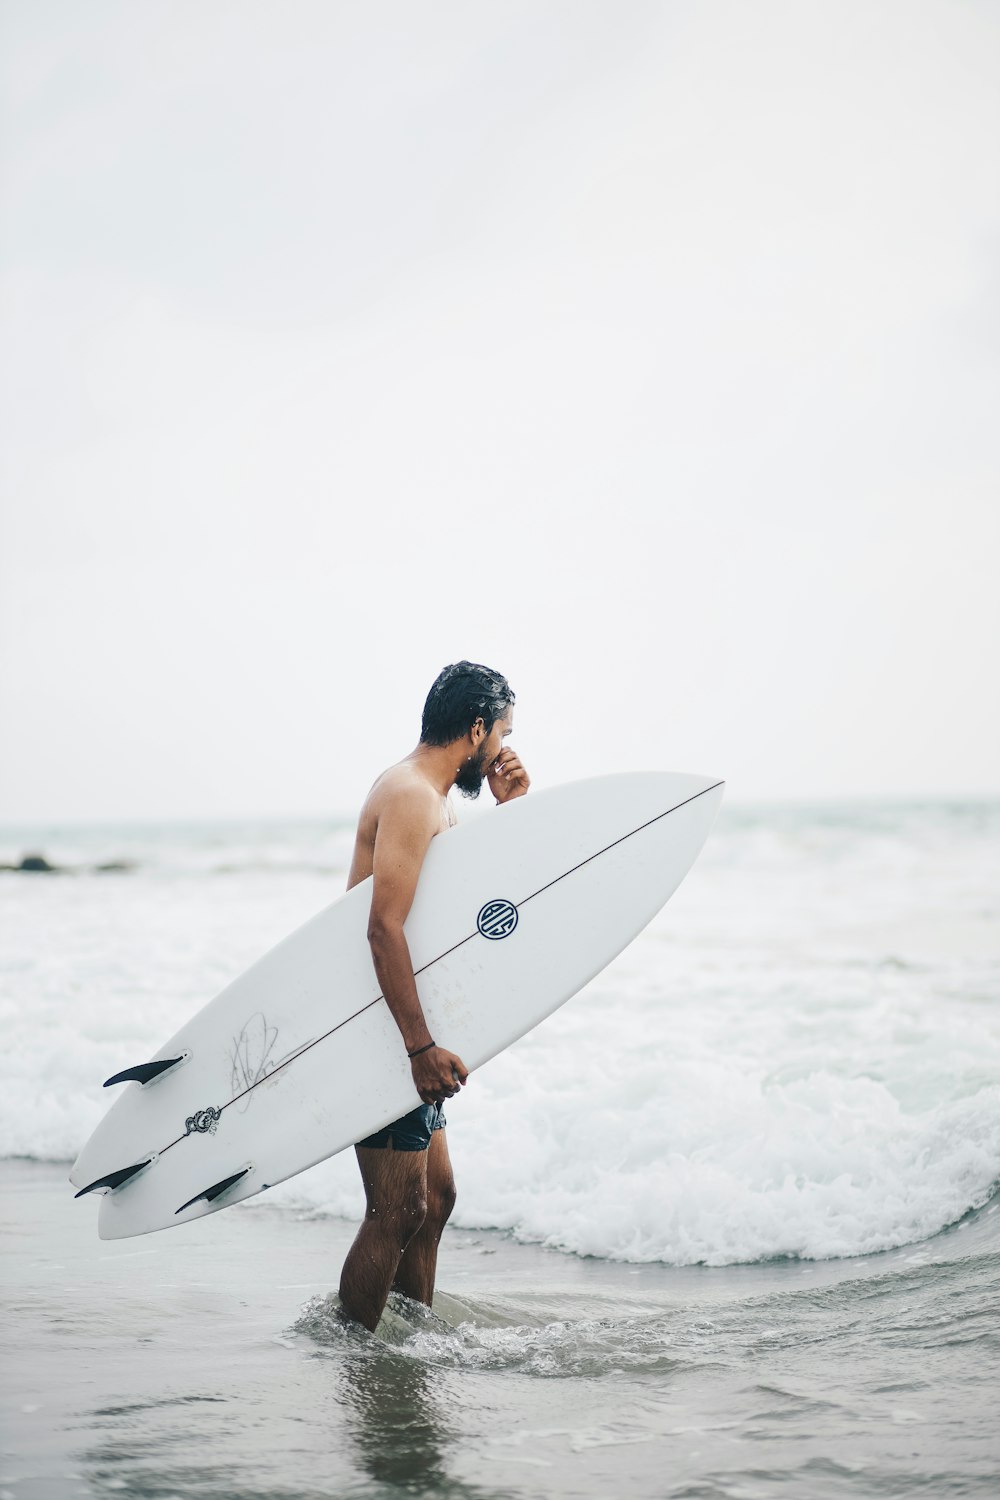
(726, 1226)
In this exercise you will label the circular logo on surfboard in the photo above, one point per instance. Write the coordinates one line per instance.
(497, 919)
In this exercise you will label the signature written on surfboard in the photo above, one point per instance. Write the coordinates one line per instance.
(252, 1057)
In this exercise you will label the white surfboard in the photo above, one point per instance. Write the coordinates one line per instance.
(299, 1057)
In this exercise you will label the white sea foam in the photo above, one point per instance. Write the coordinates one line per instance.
(800, 1057)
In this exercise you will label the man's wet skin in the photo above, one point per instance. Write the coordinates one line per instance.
(410, 1194)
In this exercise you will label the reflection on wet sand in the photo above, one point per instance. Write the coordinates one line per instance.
(395, 1419)
(399, 1413)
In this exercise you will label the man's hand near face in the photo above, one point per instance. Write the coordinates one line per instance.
(507, 777)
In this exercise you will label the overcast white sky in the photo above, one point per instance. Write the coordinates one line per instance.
(647, 352)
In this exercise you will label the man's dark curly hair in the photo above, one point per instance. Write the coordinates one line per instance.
(459, 695)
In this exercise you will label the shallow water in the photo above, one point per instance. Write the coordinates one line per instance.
(210, 1361)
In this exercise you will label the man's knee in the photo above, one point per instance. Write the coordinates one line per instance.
(402, 1216)
(441, 1200)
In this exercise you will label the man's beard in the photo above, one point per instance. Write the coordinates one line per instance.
(472, 775)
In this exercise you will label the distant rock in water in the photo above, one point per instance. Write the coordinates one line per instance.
(35, 864)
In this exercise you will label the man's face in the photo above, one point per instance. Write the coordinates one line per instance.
(475, 770)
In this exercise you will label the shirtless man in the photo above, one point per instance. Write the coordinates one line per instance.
(409, 1187)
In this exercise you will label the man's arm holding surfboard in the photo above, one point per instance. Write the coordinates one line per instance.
(407, 823)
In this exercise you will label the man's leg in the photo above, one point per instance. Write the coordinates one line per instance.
(418, 1263)
(396, 1194)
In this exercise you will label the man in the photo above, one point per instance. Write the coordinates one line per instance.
(405, 1168)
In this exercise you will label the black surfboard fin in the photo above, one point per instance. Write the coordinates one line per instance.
(114, 1179)
(145, 1072)
(215, 1191)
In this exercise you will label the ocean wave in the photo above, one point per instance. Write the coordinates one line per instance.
(730, 1170)
(800, 1057)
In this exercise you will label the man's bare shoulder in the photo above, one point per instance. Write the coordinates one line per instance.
(403, 786)
(402, 799)
(404, 804)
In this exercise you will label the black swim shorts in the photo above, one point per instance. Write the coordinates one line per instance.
(410, 1133)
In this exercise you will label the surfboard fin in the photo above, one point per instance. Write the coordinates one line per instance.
(215, 1191)
(145, 1072)
(114, 1179)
